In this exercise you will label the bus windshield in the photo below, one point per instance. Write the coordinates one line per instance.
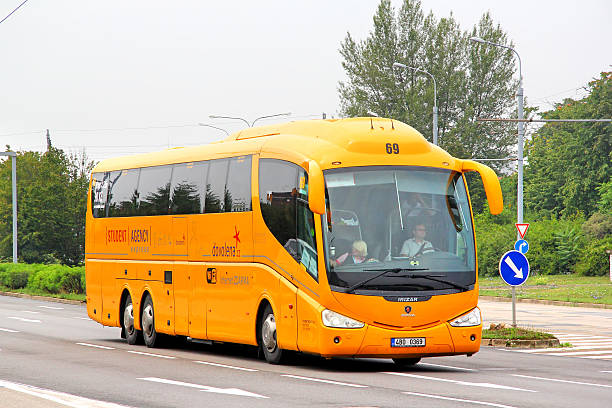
(405, 228)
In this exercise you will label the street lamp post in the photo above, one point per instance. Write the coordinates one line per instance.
(214, 127)
(435, 108)
(521, 130)
(246, 121)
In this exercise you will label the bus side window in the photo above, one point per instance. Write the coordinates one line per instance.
(215, 186)
(307, 244)
(154, 190)
(283, 196)
(99, 190)
(238, 190)
(188, 188)
(277, 197)
(123, 193)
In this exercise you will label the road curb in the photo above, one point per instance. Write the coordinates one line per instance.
(45, 298)
(526, 344)
(547, 302)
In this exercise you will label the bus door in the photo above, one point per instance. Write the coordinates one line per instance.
(230, 280)
(181, 275)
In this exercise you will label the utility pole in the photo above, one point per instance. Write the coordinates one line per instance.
(48, 140)
(521, 130)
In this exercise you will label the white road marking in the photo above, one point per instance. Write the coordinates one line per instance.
(563, 381)
(9, 330)
(52, 307)
(324, 381)
(606, 371)
(609, 348)
(491, 404)
(29, 311)
(469, 384)
(62, 398)
(205, 388)
(609, 356)
(576, 336)
(580, 353)
(150, 354)
(542, 350)
(23, 319)
(225, 366)
(96, 346)
(82, 318)
(445, 366)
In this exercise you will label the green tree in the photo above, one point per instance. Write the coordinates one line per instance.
(472, 81)
(570, 164)
(51, 201)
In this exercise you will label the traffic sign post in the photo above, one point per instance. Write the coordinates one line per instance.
(514, 270)
(522, 230)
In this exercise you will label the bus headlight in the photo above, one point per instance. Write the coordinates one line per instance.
(471, 318)
(333, 319)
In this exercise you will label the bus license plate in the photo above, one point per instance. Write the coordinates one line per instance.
(408, 342)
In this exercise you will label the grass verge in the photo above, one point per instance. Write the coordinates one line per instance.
(25, 291)
(565, 288)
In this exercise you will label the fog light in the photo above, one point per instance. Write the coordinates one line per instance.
(336, 339)
(472, 337)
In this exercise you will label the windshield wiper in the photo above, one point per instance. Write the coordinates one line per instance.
(435, 278)
(382, 272)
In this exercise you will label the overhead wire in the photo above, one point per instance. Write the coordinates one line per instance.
(11, 13)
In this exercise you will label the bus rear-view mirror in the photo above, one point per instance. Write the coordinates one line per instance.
(491, 184)
(316, 188)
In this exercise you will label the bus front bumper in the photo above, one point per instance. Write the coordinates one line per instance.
(374, 341)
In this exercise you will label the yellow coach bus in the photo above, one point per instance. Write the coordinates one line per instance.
(349, 237)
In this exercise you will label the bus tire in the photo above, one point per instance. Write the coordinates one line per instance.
(148, 322)
(406, 362)
(127, 323)
(267, 337)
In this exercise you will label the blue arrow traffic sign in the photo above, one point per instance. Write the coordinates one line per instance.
(522, 246)
(514, 268)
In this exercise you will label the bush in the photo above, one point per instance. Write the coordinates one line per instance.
(554, 245)
(598, 226)
(73, 280)
(492, 240)
(58, 279)
(13, 276)
(595, 261)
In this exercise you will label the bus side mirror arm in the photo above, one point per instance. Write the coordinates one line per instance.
(316, 188)
(491, 184)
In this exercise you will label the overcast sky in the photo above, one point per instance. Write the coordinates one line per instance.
(118, 77)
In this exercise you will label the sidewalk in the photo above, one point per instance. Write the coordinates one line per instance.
(566, 319)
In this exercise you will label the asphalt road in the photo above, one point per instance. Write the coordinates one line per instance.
(52, 355)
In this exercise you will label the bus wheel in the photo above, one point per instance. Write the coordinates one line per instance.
(148, 323)
(131, 334)
(406, 362)
(267, 337)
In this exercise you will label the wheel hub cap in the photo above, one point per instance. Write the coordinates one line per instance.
(147, 320)
(268, 333)
(128, 319)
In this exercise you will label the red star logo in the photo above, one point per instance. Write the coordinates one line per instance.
(237, 236)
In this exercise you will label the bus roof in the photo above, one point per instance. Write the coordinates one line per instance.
(331, 143)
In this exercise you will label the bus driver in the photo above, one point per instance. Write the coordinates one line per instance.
(417, 245)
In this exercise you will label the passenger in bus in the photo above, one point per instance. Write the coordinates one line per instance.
(413, 204)
(359, 254)
(417, 245)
